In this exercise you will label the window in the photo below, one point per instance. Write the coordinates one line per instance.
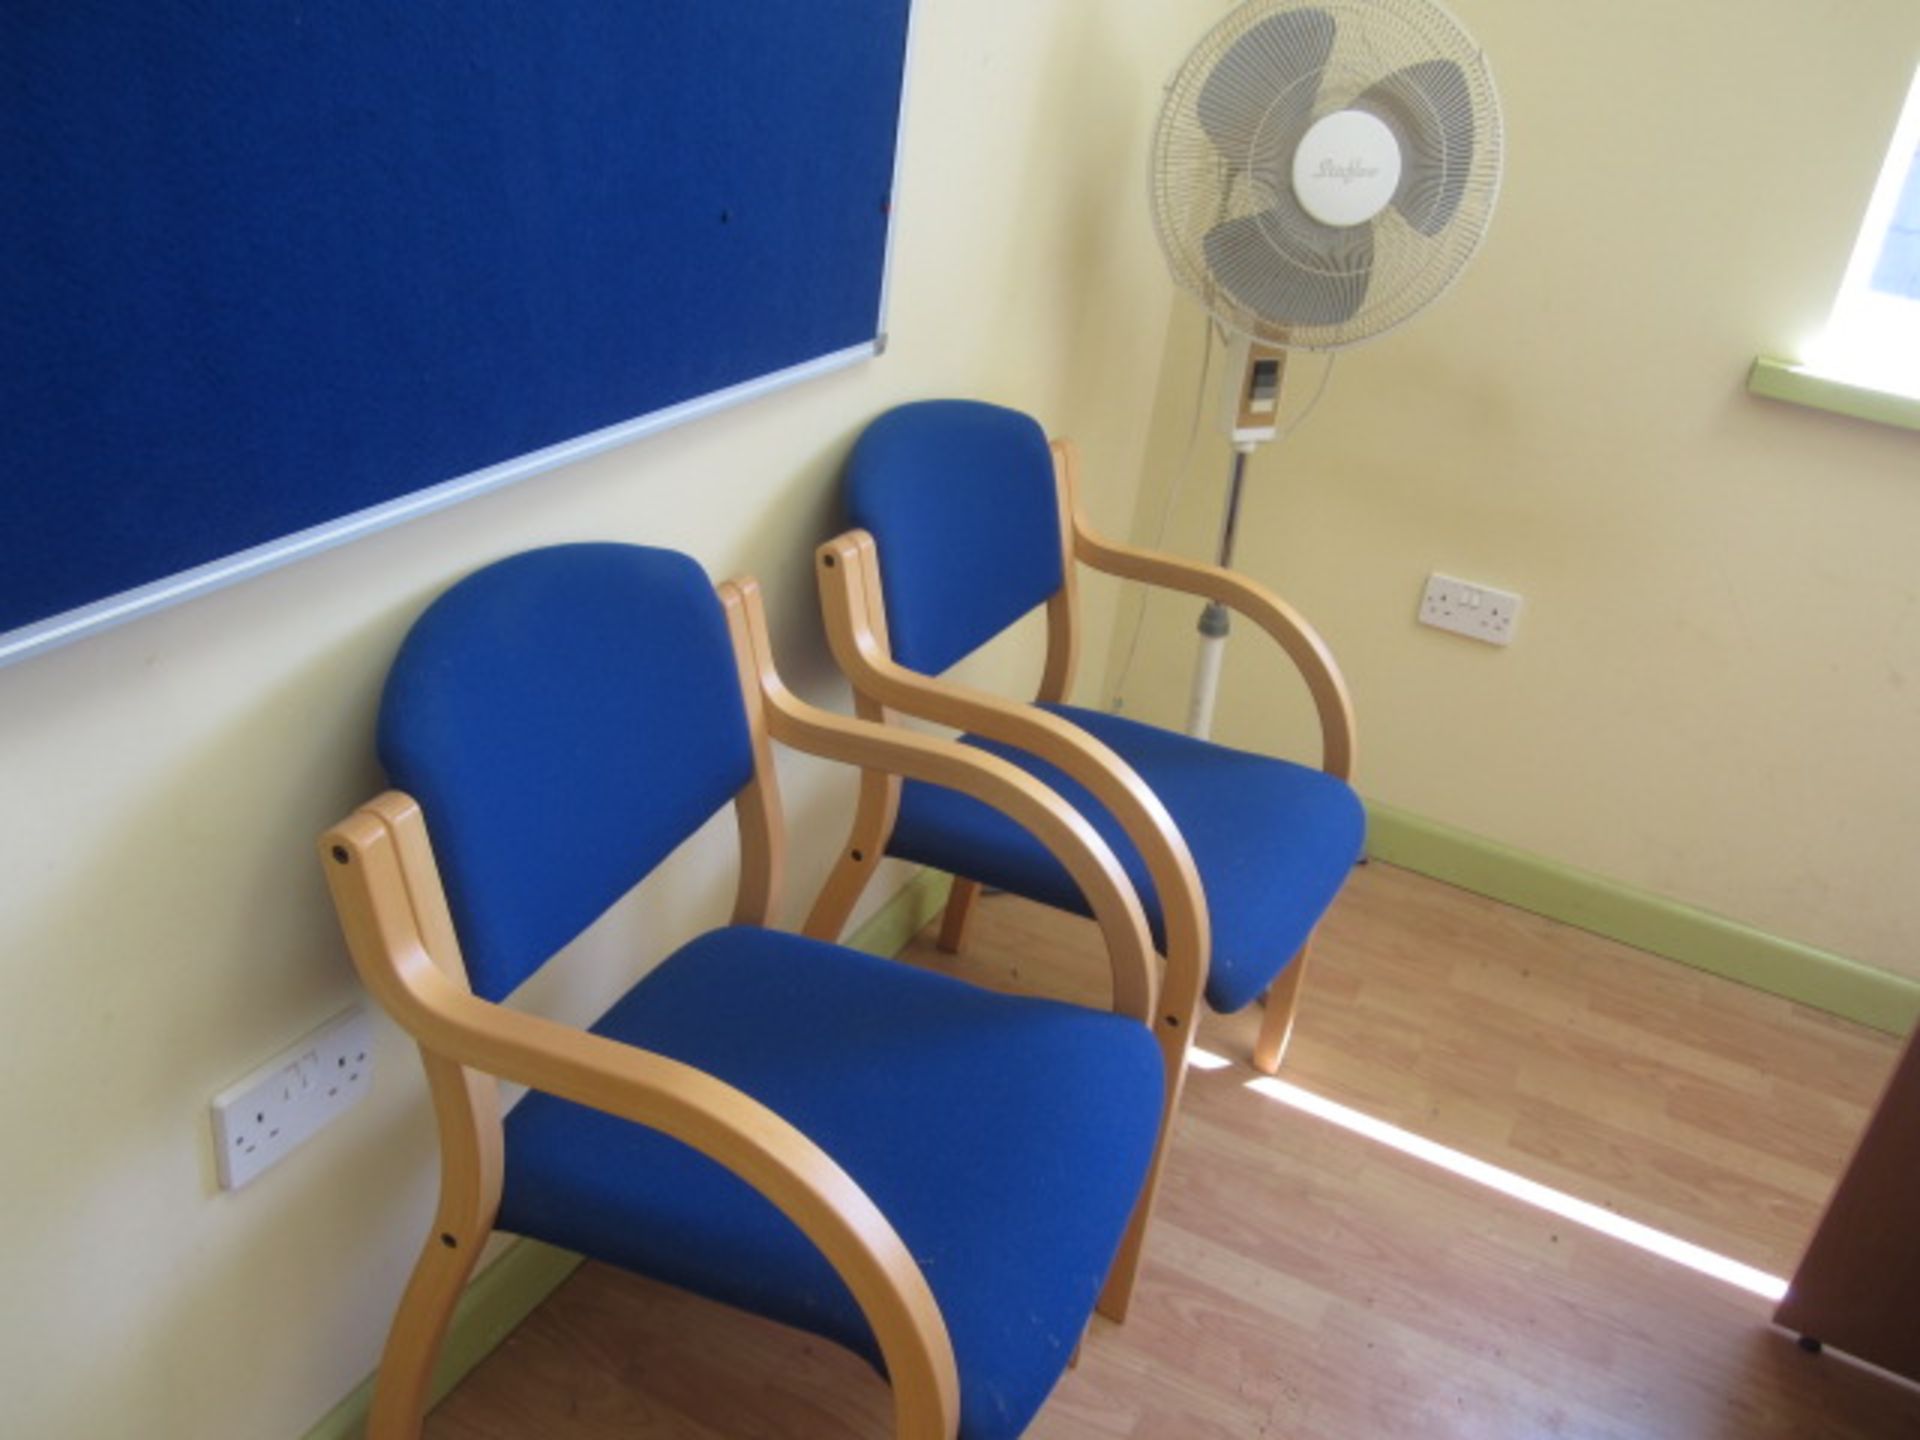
(1872, 338)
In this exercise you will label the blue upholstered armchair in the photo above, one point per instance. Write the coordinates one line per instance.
(965, 521)
(936, 1176)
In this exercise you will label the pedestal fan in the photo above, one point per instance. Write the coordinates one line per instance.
(1322, 170)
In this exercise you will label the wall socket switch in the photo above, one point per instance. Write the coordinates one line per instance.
(1479, 612)
(261, 1117)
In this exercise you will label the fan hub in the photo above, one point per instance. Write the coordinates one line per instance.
(1347, 168)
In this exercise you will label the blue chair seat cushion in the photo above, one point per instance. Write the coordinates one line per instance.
(1005, 1137)
(1273, 841)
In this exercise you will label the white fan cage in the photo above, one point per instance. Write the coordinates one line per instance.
(1222, 157)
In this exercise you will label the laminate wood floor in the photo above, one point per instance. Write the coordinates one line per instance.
(1307, 1282)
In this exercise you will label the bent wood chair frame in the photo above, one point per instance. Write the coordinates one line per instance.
(393, 909)
(848, 570)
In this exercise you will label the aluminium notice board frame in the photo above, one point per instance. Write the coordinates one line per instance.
(279, 275)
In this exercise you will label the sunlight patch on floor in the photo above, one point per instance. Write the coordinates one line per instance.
(1531, 1192)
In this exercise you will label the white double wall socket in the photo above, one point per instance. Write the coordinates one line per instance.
(1479, 612)
(258, 1119)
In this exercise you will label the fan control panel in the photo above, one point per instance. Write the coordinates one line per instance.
(1256, 400)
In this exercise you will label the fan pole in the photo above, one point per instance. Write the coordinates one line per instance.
(1252, 418)
(1214, 621)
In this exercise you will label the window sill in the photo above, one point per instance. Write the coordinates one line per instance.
(1784, 380)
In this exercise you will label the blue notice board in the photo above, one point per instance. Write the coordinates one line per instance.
(274, 272)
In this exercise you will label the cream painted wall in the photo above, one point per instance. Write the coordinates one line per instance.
(1715, 692)
(163, 919)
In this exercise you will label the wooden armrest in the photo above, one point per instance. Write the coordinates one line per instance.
(850, 594)
(364, 869)
(1292, 633)
(986, 777)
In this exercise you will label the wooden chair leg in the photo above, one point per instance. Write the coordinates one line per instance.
(872, 823)
(404, 1387)
(471, 1161)
(1116, 1296)
(845, 884)
(953, 924)
(1282, 1004)
(1175, 1035)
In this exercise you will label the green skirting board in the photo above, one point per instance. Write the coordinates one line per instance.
(1646, 921)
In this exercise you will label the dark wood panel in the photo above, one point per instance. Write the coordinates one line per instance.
(1858, 1286)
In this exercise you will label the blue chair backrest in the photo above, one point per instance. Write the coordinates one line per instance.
(565, 718)
(960, 498)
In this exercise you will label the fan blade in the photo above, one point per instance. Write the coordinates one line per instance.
(1269, 76)
(1429, 110)
(1289, 269)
